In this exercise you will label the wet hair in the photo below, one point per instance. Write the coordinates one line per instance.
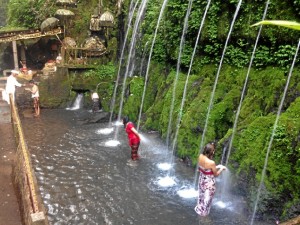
(31, 82)
(209, 150)
(125, 120)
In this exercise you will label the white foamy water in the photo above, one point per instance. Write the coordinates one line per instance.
(112, 143)
(118, 123)
(164, 166)
(105, 131)
(188, 193)
(166, 181)
(224, 205)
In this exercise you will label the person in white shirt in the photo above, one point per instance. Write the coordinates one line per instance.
(96, 102)
(58, 59)
(11, 84)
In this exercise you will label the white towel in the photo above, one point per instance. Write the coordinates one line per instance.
(5, 96)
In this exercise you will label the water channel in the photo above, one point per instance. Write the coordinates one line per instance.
(84, 181)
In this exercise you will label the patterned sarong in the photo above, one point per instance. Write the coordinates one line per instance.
(206, 188)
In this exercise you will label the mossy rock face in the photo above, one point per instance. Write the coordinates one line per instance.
(55, 89)
(254, 124)
(132, 98)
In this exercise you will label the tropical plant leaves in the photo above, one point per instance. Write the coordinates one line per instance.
(283, 23)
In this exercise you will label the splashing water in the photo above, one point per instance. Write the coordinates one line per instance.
(223, 205)
(112, 143)
(104, 131)
(144, 139)
(220, 204)
(164, 166)
(225, 183)
(228, 205)
(166, 181)
(188, 193)
(118, 123)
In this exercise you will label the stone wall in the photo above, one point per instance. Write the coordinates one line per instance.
(31, 205)
(54, 89)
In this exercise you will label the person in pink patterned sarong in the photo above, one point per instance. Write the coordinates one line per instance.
(207, 183)
(133, 138)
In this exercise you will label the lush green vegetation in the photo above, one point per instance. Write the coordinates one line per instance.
(267, 79)
(3, 4)
(30, 14)
(254, 128)
(275, 44)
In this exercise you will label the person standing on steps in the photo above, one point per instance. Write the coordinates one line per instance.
(207, 183)
(133, 138)
(11, 84)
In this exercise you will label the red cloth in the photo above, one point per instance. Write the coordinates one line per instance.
(206, 172)
(132, 137)
(24, 68)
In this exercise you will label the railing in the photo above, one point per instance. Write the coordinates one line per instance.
(81, 57)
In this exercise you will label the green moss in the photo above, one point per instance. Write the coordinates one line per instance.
(132, 101)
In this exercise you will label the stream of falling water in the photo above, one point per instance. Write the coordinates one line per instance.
(121, 61)
(182, 41)
(245, 86)
(228, 152)
(140, 13)
(149, 60)
(215, 84)
(273, 134)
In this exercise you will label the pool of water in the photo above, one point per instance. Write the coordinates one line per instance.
(85, 180)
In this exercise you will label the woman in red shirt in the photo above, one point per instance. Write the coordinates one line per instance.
(133, 138)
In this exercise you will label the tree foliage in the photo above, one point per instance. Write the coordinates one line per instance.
(29, 13)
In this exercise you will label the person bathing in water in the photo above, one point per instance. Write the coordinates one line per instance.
(207, 183)
(35, 96)
(133, 138)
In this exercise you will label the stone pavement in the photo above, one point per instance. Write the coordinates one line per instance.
(9, 207)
